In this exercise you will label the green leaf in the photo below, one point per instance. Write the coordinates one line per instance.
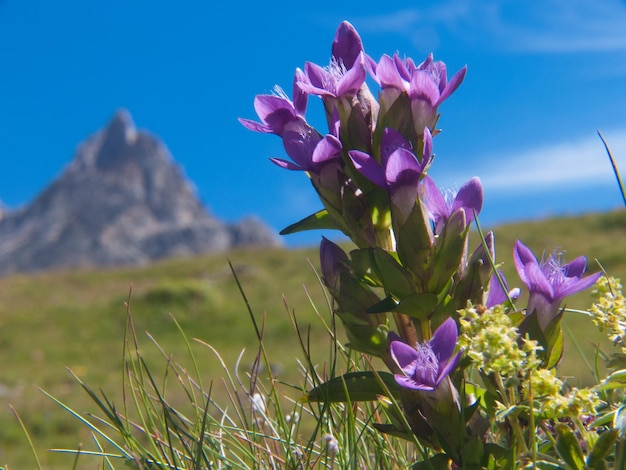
(382, 268)
(448, 252)
(393, 431)
(419, 305)
(415, 240)
(568, 447)
(395, 279)
(438, 462)
(318, 221)
(385, 305)
(352, 387)
(601, 448)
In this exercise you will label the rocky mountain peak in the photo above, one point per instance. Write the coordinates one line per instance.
(122, 200)
(119, 141)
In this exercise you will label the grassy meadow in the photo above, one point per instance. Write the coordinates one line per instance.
(51, 322)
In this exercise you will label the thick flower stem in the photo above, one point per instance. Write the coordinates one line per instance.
(406, 328)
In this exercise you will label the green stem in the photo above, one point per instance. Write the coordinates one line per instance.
(513, 422)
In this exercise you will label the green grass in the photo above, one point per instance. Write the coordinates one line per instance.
(76, 320)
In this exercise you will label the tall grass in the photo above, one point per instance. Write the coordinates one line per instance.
(264, 423)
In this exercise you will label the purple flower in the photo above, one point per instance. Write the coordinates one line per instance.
(308, 149)
(277, 111)
(399, 171)
(429, 88)
(549, 282)
(426, 365)
(468, 199)
(346, 72)
(426, 84)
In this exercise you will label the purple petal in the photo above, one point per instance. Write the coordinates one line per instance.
(286, 164)
(403, 168)
(537, 281)
(347, 44)
(470, 198)
(522, 256)
(368, 167)
(423, 88)
(266, 105)
(370, 66)
(496, 295)
(352, 80)
(403, 172)
(448, 367)
(255, 126)
(390, 142)
(300, 142)
(405, 67)
(444, 339)
(327, 149)
(408, 382)
(576, 285)
(388, 76)
(453, 84)
(576, 268)
(403, 354)
(331, 258)
(434, 200)
(300, 97)
(428, 147)
(320, 82)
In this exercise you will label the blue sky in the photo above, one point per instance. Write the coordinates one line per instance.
(542, 79)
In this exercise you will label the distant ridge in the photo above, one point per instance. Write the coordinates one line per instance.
(121, 201)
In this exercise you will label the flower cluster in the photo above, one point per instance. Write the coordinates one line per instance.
(609, 310)
(493, 343)
(410, 280)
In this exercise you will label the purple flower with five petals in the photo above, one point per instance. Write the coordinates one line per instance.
(468, 199)
(276, 111)
(549, 281)
(346, 72)
(399, 171)
(427, 364)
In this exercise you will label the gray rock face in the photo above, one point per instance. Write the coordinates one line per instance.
(122, 200)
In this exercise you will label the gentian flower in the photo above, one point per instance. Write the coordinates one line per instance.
(549, 281)
(276, 111)
(399, 171)
(429, 88)
(426, 84)
(346, 72)
(468, 199)
(426, 365)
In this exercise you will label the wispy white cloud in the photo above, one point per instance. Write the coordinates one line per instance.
(580, 163)
(554, 26)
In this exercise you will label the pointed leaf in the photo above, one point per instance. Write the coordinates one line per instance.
(385, 305)
(438, 462)
(318, 221)
(568, 447)
(353, 386)
(602, 447)
(414, 243)
(420, 305)
(395, 279)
